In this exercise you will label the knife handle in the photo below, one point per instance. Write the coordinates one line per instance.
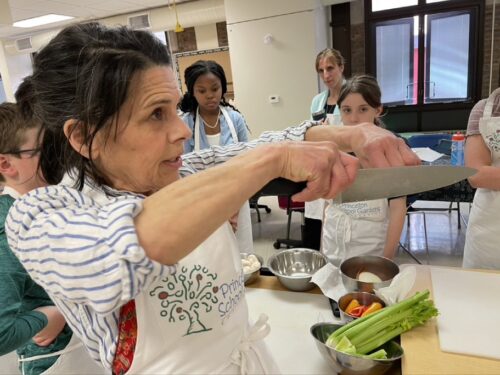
(282, 186)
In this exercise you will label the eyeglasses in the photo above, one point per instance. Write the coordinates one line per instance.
(32, 152)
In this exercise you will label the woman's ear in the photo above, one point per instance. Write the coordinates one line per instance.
(380, 110)
(75, 132)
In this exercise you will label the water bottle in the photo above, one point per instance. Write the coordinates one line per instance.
(457, 149)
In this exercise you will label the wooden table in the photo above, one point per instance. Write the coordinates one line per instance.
(423, 355)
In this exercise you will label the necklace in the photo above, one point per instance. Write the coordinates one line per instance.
(214, 125)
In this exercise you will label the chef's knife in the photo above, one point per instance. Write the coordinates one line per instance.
(376, 183)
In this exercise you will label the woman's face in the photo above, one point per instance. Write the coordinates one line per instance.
(355, 110)
(145, 154)
(330, 73)
(208, 92)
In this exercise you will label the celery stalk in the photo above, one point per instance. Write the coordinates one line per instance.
(368, 333)
(361, 324)
(379, 326)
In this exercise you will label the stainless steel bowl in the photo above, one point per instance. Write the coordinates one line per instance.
(252, 276)
(382, 267)
(347, 364)
(295, 267)
(363, 298)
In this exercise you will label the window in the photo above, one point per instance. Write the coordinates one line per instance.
(426, 54)
(428, 58)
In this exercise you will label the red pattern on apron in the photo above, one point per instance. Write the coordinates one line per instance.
(127, 339)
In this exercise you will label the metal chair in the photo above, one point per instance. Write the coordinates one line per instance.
(440, 142)
(407, 249)
(431, 140)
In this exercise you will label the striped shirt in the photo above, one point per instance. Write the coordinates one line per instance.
(82, 247)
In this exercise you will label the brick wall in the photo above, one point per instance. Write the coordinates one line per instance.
(357, 49)
(487, 50)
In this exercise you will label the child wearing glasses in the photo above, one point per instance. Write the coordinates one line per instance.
(29, 321)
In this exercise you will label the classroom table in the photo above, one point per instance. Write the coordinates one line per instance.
(423, 355)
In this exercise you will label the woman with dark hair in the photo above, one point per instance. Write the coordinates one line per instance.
(211, 119)
(215, 122)
(141, 263)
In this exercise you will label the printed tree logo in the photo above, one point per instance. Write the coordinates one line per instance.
(187, 294)
(494, 140)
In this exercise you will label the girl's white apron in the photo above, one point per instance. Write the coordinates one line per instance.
(482, 249)
(196, 321)
(244, 232)
(352, 229)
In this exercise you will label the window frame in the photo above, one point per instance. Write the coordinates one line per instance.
(475, 50)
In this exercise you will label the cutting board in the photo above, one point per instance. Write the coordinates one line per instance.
(291, 315)
(469, 307)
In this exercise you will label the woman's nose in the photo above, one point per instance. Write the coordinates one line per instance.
(179, 131)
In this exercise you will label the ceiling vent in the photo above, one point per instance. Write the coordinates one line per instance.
(139, 22)
(24, 44)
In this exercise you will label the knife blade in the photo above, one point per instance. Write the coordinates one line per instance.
(376, 183)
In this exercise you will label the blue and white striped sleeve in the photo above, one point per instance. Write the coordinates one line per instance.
(81, 251)
(215, 155)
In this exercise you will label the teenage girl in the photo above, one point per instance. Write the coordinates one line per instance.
(369, 227)
(214, 122)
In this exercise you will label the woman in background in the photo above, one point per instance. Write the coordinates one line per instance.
(482, 151)
(215, 122)
(369, 227)
(330, 67)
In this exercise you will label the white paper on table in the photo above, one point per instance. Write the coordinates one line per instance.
(427, 154)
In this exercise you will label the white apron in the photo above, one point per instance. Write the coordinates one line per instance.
(73, 360)
(352, 229)
(196, 321)
(244, 231)
(482, 249)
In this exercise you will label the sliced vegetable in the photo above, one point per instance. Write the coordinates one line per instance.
(358, 311)
(372, 308)
(371, 331)
(353, 304)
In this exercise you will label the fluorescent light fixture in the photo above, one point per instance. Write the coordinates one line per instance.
(42, 20)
